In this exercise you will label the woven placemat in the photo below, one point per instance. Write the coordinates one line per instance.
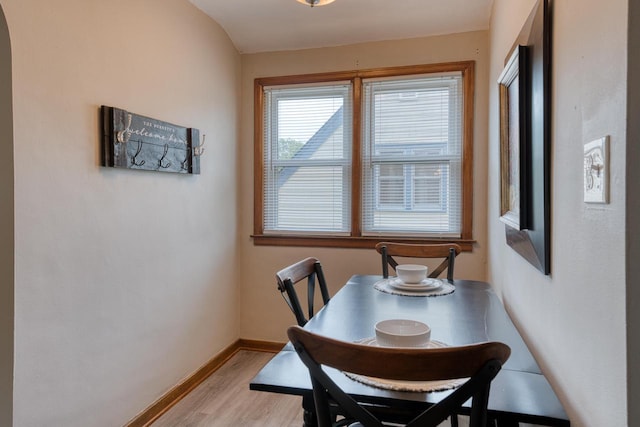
(387, 286)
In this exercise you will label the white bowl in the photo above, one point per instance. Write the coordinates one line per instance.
(402, 333)
(411, 273)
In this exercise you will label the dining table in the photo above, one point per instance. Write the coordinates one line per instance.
(470, 312)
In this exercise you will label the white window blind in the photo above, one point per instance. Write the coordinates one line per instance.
(307, 159)
(412, 156)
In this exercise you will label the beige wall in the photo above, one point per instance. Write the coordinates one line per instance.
(108, 315)
(574, 319)
(264, 314)
(6, 228)
(123, 278)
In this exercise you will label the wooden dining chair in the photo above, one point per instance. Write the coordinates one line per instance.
(480, 363)
(288, 277)
(448, 251)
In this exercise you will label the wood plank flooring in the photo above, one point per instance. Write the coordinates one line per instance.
(224, 400)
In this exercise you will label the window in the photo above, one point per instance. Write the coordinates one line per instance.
(349, 159)
(412, 145)
(307, 160)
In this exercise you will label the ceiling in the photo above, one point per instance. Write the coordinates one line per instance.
(272, 25)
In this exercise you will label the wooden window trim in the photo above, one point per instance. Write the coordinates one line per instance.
(355, 239)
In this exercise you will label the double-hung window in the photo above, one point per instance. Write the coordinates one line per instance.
(307, 159)
(412, 155)
(351, 158)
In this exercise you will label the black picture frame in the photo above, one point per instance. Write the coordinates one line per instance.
(533, 241)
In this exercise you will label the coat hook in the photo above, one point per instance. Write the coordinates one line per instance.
(184, 164)
(168, 164)
(133, 159)
(124, 135)
(197, 151)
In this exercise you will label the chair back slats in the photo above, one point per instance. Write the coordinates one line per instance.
(480, 363)
(448, 251)
(287, 278)
(447, 263)
(324, 291)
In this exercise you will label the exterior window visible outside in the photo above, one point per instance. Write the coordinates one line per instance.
(410, 187)
(349, 159)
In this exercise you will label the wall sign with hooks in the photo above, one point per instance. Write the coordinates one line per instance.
(132, 141)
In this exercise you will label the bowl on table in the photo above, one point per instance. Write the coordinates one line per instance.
(402, 333)
(411, 273)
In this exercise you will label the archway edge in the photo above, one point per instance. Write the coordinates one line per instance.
(7, 226)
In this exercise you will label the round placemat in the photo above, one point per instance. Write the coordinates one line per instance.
(386, 286)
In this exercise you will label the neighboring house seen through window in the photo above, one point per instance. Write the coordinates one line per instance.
(412, 155)
(349, 159)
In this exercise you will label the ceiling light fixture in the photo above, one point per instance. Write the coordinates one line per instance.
(313, 3)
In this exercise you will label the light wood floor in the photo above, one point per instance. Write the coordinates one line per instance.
(224, 400)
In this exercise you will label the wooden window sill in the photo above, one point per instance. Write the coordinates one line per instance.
(350, 242)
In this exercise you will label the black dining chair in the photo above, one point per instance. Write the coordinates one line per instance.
(478, 363)
(288, 277)
(448, 251)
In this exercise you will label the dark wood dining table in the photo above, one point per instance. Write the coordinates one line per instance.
(472, 313)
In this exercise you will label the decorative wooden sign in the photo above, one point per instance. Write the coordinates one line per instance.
(132, 141)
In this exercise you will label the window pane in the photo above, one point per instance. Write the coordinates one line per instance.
(412, 126)
(309, 198)
(307, 160)
(310, 127)
(426, 109)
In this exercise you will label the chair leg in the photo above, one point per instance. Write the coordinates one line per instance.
(309, 411)
(454, 421)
